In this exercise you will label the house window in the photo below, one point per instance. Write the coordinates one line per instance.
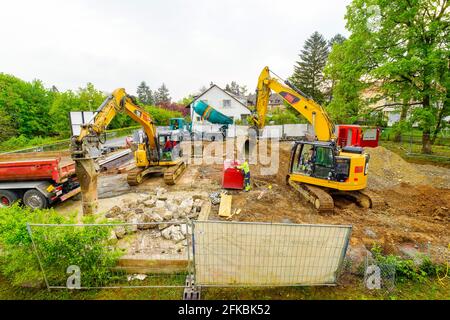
(227, 103)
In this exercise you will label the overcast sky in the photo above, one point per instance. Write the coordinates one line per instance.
(185, 44)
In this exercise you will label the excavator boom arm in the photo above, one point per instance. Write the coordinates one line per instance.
(116, 103)
(313, 112)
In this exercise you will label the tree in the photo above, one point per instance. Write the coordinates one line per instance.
(7, 129)
(345, 69)
(201, 90)
(27, 105)
(84, 99)
(236, 89)
(144, 94)
(404, 46)
(162, 95)
(175, 107)
(337, 39)
(308, 71)
(186, 100)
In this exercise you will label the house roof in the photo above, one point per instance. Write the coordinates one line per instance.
(215, 85)
(272, 99)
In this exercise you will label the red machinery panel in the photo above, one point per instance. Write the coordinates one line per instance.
(357, 136)
(349, 135)
(370, 137)
(232, 178)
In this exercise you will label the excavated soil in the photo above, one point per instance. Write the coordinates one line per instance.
(417, 203)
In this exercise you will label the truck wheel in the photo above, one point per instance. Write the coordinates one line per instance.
(7, 198)
(34, 199)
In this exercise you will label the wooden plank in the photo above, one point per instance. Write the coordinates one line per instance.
(206, 209)
(153, 265)
(225, 206)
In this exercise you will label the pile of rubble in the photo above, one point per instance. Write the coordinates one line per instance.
(162, 212)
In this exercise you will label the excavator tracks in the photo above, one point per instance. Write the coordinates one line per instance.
(135, 176)
(172, 174)
(321, 199)
(369, 199)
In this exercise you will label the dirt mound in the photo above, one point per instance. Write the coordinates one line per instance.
(388, 169)
(424, 201)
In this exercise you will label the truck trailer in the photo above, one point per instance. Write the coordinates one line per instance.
(38, 179)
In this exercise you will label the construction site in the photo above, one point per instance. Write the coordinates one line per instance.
(225, 150)
(415, 212)
(247, 208)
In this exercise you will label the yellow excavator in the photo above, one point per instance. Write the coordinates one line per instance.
(318, 168)
(154, 153)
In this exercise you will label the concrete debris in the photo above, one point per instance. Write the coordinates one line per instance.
(185, 229)
(120, 232)
(150, 203)
(371, 234)
(139, 277)
(113, 212)
(215, 198)
(173, 233)
(160, 204)
(167, 215)
(160, 191)
(171, 206)
(186, 205)
(154, 217)
(112, 239)
(163, 226)
(198, 205)
(133, 227)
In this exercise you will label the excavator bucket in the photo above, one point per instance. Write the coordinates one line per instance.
(87, 173)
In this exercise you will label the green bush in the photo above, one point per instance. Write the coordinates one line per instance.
(22, 142)
(59, 247)
(408, 269)
(161, 116)
(285, 116)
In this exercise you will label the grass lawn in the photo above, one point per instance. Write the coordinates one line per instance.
(350, 288)
(411, 153)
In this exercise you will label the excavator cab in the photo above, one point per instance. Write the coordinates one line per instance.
(170, 147)
(313, 159)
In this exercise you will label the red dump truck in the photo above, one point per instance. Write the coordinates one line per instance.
(37, 179)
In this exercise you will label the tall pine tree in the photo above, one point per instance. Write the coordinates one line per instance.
(144, 94)
(308, 71)
(337, 39)
(162, 95)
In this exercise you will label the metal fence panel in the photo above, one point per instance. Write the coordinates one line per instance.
(264, 254)
(295, 130)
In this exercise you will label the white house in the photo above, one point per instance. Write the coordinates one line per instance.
(222, 101)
